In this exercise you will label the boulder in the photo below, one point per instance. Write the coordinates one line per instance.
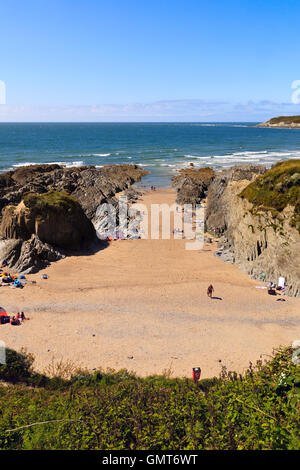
(56, 218)
(28, 256)
(191, 185)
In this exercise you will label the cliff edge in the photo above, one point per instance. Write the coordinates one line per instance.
(282, 122)
(257, 217)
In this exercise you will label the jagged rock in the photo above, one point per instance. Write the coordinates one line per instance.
(90, 186)
(218, 203)
(260, 241)
(191, 185)
(132, 195)
(55, 218)
(59, 212)
(28, 256)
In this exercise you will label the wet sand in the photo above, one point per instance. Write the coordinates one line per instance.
(142, 305)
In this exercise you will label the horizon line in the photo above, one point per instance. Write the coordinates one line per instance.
(128, 122)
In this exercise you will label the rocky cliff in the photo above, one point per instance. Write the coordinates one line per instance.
(191, 184)
(49, 209)
(89, 185)
(54, 217)
(282, 122)
(256, 213)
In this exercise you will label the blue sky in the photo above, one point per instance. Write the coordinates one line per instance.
(143, 60)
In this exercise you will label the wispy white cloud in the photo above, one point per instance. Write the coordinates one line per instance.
(167, 110)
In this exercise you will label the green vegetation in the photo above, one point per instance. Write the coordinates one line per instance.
(52, 200)
(278, 188)
(285, 119)
(117, 410)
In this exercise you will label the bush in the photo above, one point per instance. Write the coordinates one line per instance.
(276, 189)
(117, 410)
(17, 368)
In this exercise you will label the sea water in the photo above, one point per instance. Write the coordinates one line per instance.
(160, 148)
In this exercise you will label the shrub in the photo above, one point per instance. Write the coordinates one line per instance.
(117, 410)
(276, 189)
(18, 366)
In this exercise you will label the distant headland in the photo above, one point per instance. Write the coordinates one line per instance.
(282, 122)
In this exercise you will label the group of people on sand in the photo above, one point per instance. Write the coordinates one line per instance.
(17, 319)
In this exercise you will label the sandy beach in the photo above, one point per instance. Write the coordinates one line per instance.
(142, 305)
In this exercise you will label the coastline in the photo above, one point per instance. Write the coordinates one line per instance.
(142, 305)
(277, 127)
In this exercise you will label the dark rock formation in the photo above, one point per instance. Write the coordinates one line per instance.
(191, 185)
(28, 256)
(218, 205)
(55, 218)
(90, 186)
(263, 241)
(49, 208)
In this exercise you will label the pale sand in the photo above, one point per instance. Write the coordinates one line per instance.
(147, 299)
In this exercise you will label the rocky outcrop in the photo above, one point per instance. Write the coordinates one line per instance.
(28, 256)
(282, 122)
(191, 185)
(219, 200)
(263, 241)
(55, 218)
(89, 185)
(48, 210)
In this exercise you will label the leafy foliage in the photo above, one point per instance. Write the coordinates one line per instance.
(276, 189)
(117, 410)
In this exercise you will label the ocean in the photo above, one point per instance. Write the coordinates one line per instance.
(160, 148)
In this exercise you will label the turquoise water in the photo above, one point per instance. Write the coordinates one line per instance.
(158, 147)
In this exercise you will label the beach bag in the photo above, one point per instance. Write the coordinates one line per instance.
(4, 320)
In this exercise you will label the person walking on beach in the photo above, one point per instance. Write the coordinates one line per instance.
(210, 290)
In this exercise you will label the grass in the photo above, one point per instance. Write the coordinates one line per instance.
(116, 410)
(51, 200)
(285, 119)
(278, 188)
